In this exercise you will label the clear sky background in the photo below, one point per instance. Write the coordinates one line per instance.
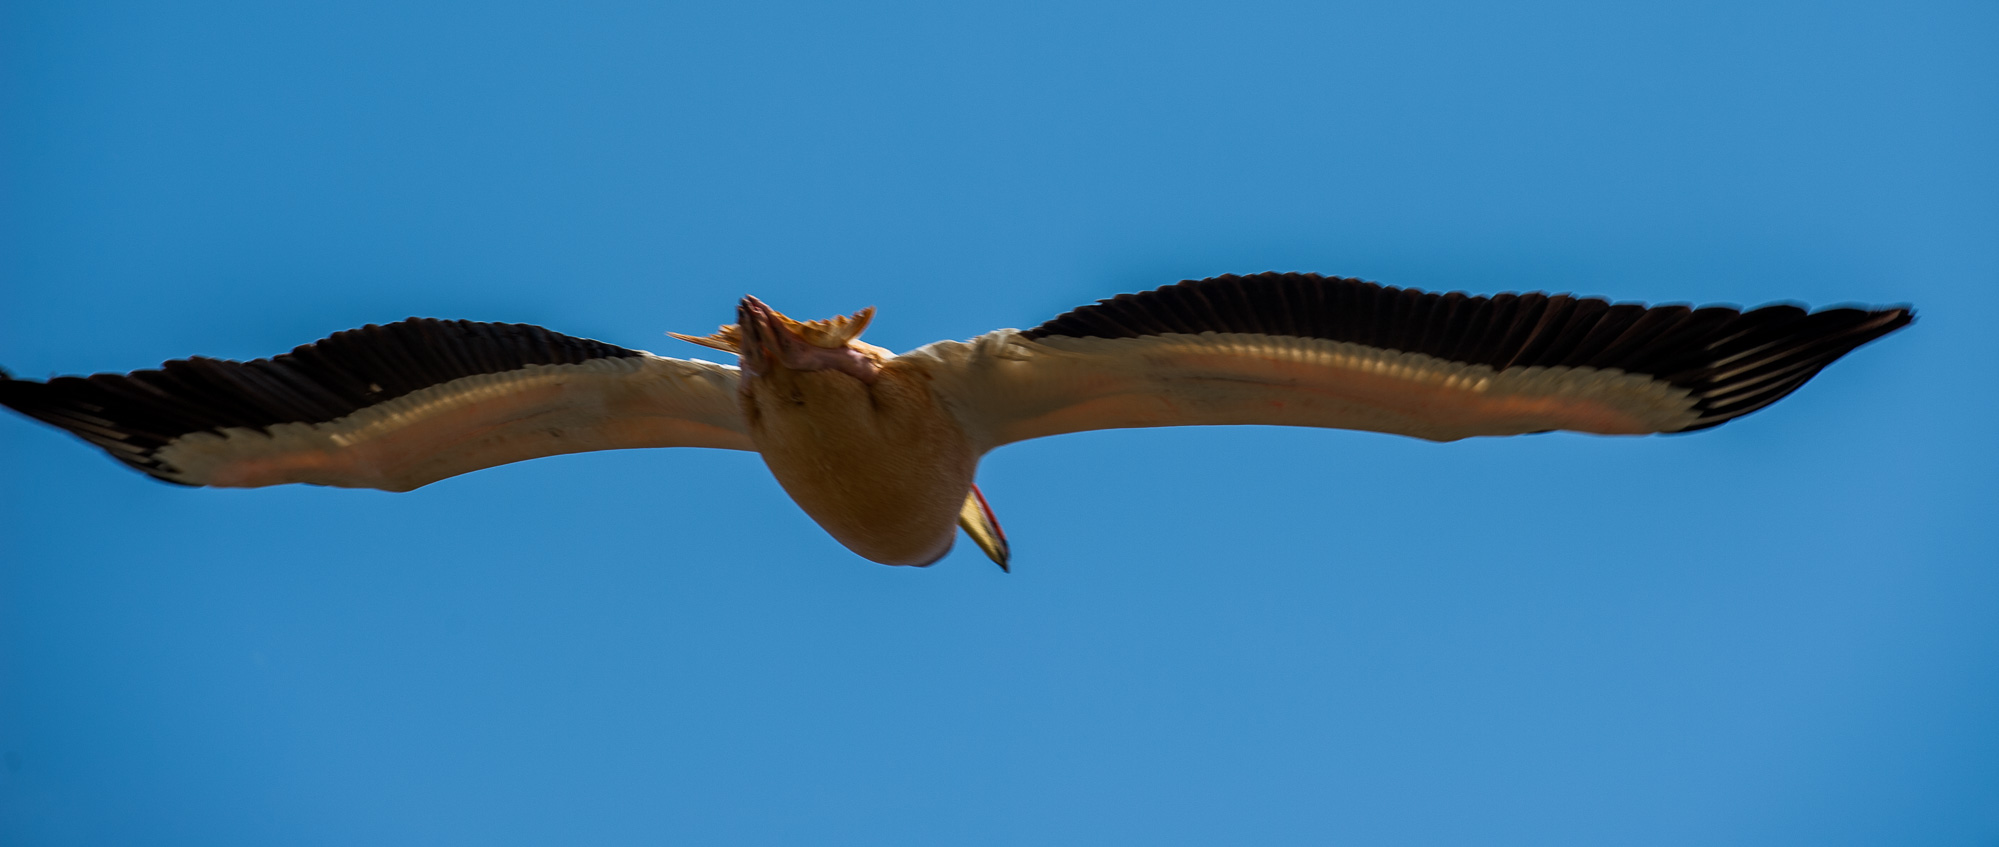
(1783, 631)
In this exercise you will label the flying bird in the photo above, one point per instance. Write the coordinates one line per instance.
(880, 449)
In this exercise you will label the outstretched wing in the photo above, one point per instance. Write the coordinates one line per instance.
(392, 407)
(1307, 350)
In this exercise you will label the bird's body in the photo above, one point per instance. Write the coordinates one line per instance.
(883, 467)
(881, 449)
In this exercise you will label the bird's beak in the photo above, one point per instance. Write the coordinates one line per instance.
(976, 516)
(767, 339)
(762, 338)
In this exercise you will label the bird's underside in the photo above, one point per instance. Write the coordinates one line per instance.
(880, 449)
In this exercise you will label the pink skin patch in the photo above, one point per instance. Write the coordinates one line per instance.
(766, 339)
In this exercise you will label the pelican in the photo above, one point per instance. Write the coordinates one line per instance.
(881, 449)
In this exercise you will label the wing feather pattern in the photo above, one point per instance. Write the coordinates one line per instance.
(1307, 350)
(393, 407)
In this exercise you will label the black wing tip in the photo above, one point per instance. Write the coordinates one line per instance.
(22, 395)
(1785, 362)
(65, 403)
(1899, 314)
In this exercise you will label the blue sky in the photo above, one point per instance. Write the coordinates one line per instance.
(1777, 632)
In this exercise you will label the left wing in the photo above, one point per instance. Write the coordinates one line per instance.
(393, 407)
(1307, 350)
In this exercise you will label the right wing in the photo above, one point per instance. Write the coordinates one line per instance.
(391, 407)
(1306, 350)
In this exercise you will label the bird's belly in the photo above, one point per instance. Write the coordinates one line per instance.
(886, 478)
(897, 505)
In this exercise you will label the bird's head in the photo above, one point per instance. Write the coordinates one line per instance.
(767, 341)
